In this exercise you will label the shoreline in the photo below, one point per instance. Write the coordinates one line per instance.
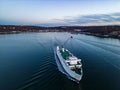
(102, 36)
(99, 31)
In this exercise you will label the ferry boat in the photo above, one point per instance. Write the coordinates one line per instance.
(70, 64)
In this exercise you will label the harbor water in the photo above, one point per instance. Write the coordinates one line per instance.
(27, 62)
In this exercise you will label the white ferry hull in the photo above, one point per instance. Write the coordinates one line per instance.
(74, 76)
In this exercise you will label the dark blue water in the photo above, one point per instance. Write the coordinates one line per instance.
(27, 62)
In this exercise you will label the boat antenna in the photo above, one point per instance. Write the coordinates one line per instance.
(67, 40)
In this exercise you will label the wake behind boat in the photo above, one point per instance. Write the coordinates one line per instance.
(72, 65)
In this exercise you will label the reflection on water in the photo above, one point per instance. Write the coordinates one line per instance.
(27, 62)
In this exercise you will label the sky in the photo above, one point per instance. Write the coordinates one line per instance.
(60, 12)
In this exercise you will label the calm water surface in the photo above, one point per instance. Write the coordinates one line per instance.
(27, 62)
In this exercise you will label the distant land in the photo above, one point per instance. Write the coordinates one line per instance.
(100, 31)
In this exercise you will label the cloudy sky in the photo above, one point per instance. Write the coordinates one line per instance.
(60, 12)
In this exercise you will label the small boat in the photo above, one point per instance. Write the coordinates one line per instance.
(70, 64)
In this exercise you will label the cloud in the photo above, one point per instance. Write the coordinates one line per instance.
(88, 20)
(84, 20)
